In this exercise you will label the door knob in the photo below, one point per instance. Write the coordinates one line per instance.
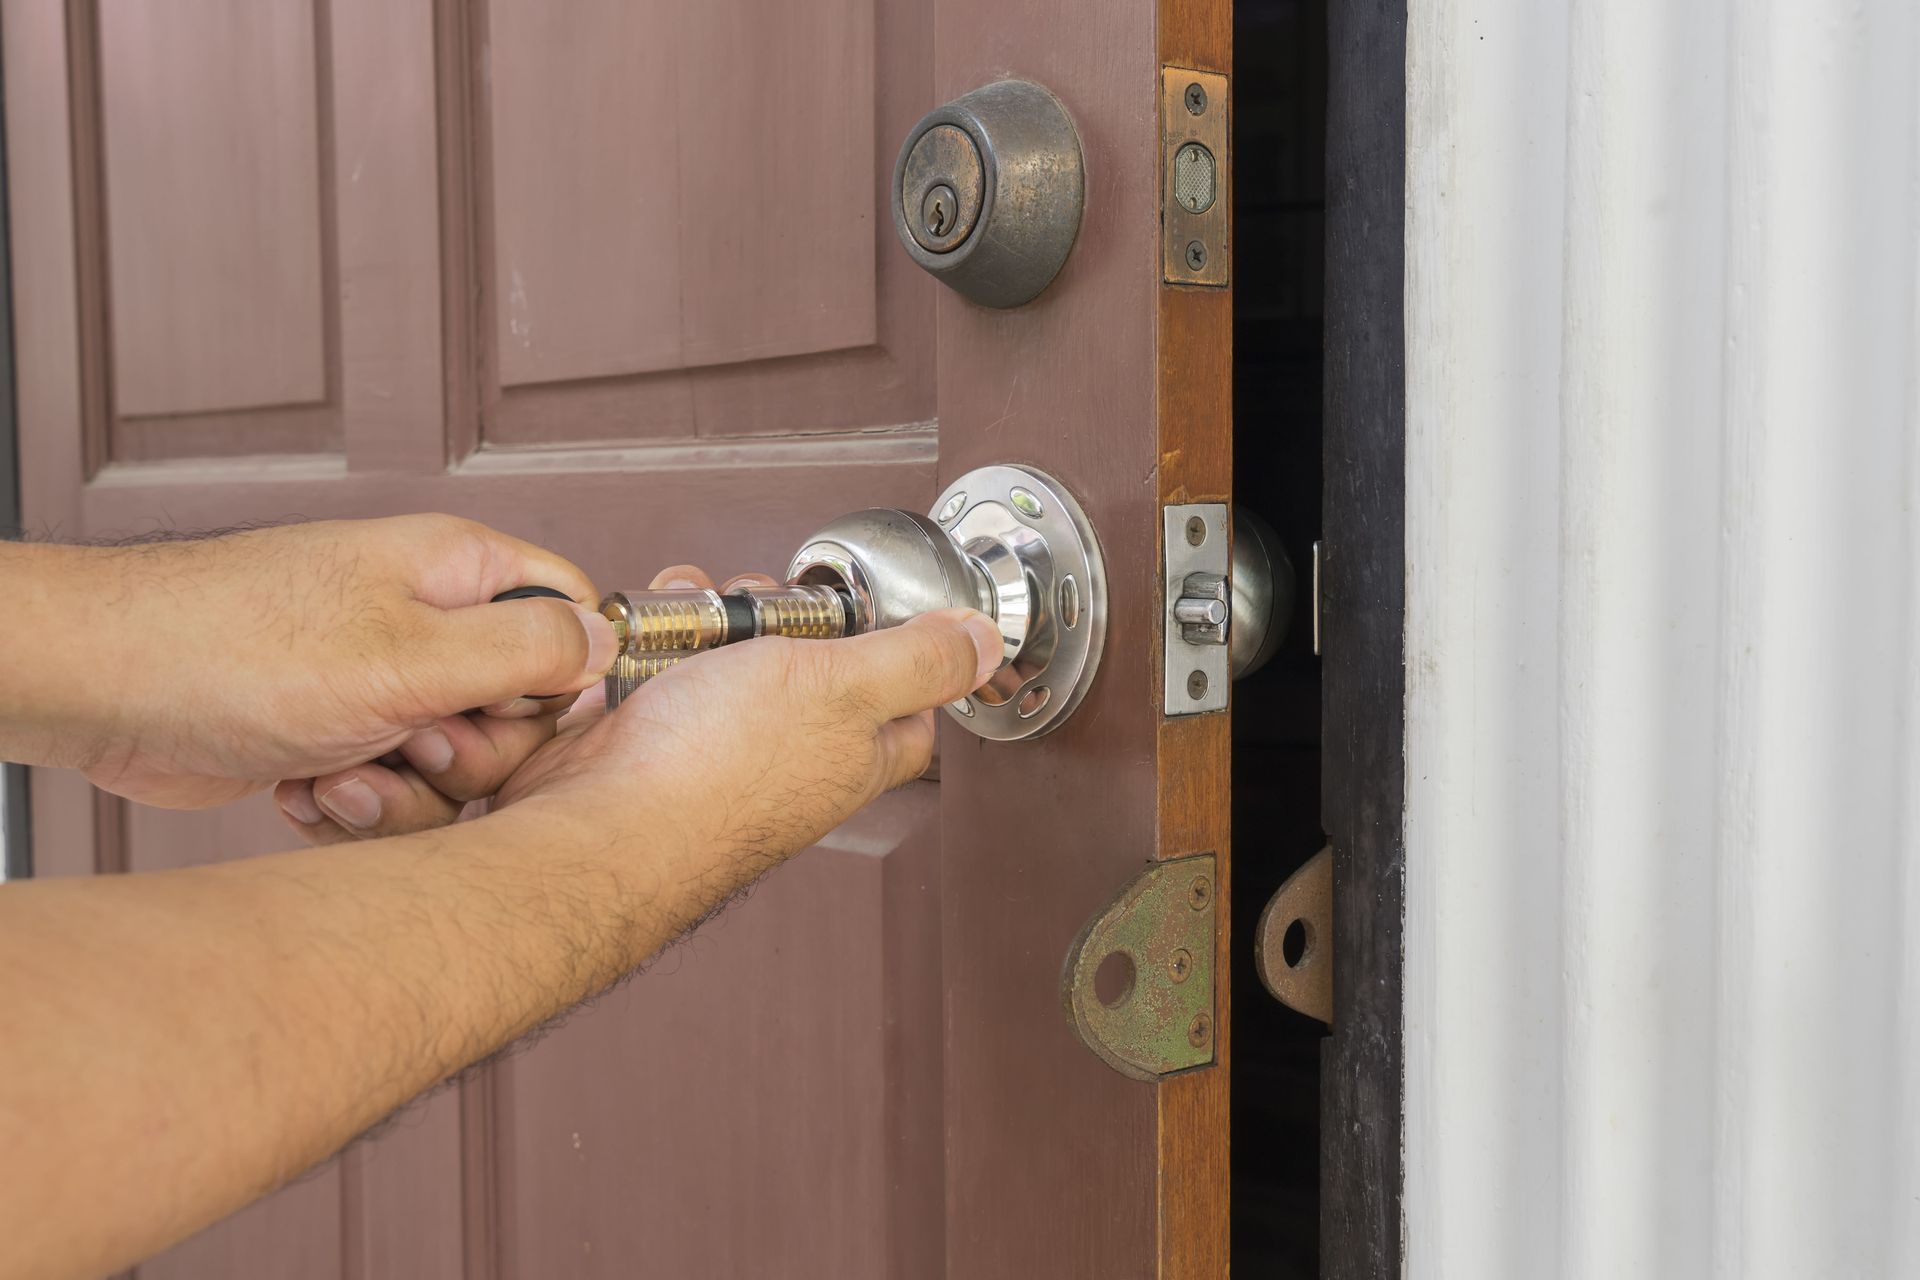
(1009, 541)
(988, 190)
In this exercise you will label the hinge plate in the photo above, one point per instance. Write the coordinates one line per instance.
(1303, 982)
(1195, 675)
(1196, 177)
(1158, 1019)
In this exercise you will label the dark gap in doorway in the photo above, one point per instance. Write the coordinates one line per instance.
(1279, 165)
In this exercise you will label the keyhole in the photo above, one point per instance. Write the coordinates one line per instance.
(939, 211)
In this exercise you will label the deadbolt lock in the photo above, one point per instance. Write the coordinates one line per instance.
(988, 191)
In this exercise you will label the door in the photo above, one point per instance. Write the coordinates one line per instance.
(612, 277)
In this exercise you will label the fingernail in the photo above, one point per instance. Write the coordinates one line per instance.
(602, 647)
(430, 750)
(353, 802)
(987, 644)
(681, 584)
(299, 806)
(512, 709)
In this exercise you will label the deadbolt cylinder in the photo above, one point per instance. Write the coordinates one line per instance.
(988, 192)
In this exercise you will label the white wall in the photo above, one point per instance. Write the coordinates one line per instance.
(1663, 865)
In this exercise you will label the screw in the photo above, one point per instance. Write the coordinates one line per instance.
(937, 210)
(1200, 1030)
(1197, 685)
(1196, 254)
(1196, 531)
(1196, 99)
(1200, 893)
(1180, 965)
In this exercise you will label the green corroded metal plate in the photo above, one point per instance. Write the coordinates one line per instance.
(1157, 1017)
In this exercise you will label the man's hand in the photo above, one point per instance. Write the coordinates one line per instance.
(199, 672)
(763, 747)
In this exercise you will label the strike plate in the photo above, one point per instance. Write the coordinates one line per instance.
(1153, 947)
(1305, 903)
(1195, 671)
(1196, 188)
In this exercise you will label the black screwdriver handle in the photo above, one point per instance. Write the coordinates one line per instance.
(536, 593)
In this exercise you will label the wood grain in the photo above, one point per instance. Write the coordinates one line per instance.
(1195, 431)
(1362, 618)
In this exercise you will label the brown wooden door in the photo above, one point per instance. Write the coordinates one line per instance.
(618, 277)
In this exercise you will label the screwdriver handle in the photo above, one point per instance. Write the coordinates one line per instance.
(536, 593)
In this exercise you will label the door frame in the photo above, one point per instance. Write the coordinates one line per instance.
(16, 847)
(1362, 628)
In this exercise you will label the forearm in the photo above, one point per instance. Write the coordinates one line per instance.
(176, 1044)
(61, 610)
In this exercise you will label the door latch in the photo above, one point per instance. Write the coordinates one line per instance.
(1229, 596)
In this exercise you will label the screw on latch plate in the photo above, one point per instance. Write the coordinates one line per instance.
(1293, 944)
(1156, 1017)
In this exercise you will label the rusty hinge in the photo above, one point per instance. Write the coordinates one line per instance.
(1138, 981)
(1293, 945)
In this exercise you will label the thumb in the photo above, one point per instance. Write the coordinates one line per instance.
(930, 660)
(490, 653)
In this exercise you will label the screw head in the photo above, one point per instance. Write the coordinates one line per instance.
(1180, 964)
(1196, 531)
(1200, 1030)
(1200, 893)
(1197, 685)
(1196, 255)
(1196, 99)
(939, 210)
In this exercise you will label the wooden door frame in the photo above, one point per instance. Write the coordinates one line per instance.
(16, 847)
(1363, 612)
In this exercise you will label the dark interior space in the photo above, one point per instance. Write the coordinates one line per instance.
(1279, 151)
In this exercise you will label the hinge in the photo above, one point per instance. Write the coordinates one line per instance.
(1138, 981)
(1293, 944)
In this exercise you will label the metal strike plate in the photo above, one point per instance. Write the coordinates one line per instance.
(1196, 197)
(1293, 944)
(1195, 672)
(1138, 981)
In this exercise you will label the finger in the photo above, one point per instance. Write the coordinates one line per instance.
(932, 659)
(463, 562)
(591, 705)
(295, 798)
(370, 801)
(748, 580)
(468, 758)
(681, 577)
(906, 749)
(490, 654)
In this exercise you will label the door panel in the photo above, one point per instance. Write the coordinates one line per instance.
(607, 276)
(683, 219)
(200, 102)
